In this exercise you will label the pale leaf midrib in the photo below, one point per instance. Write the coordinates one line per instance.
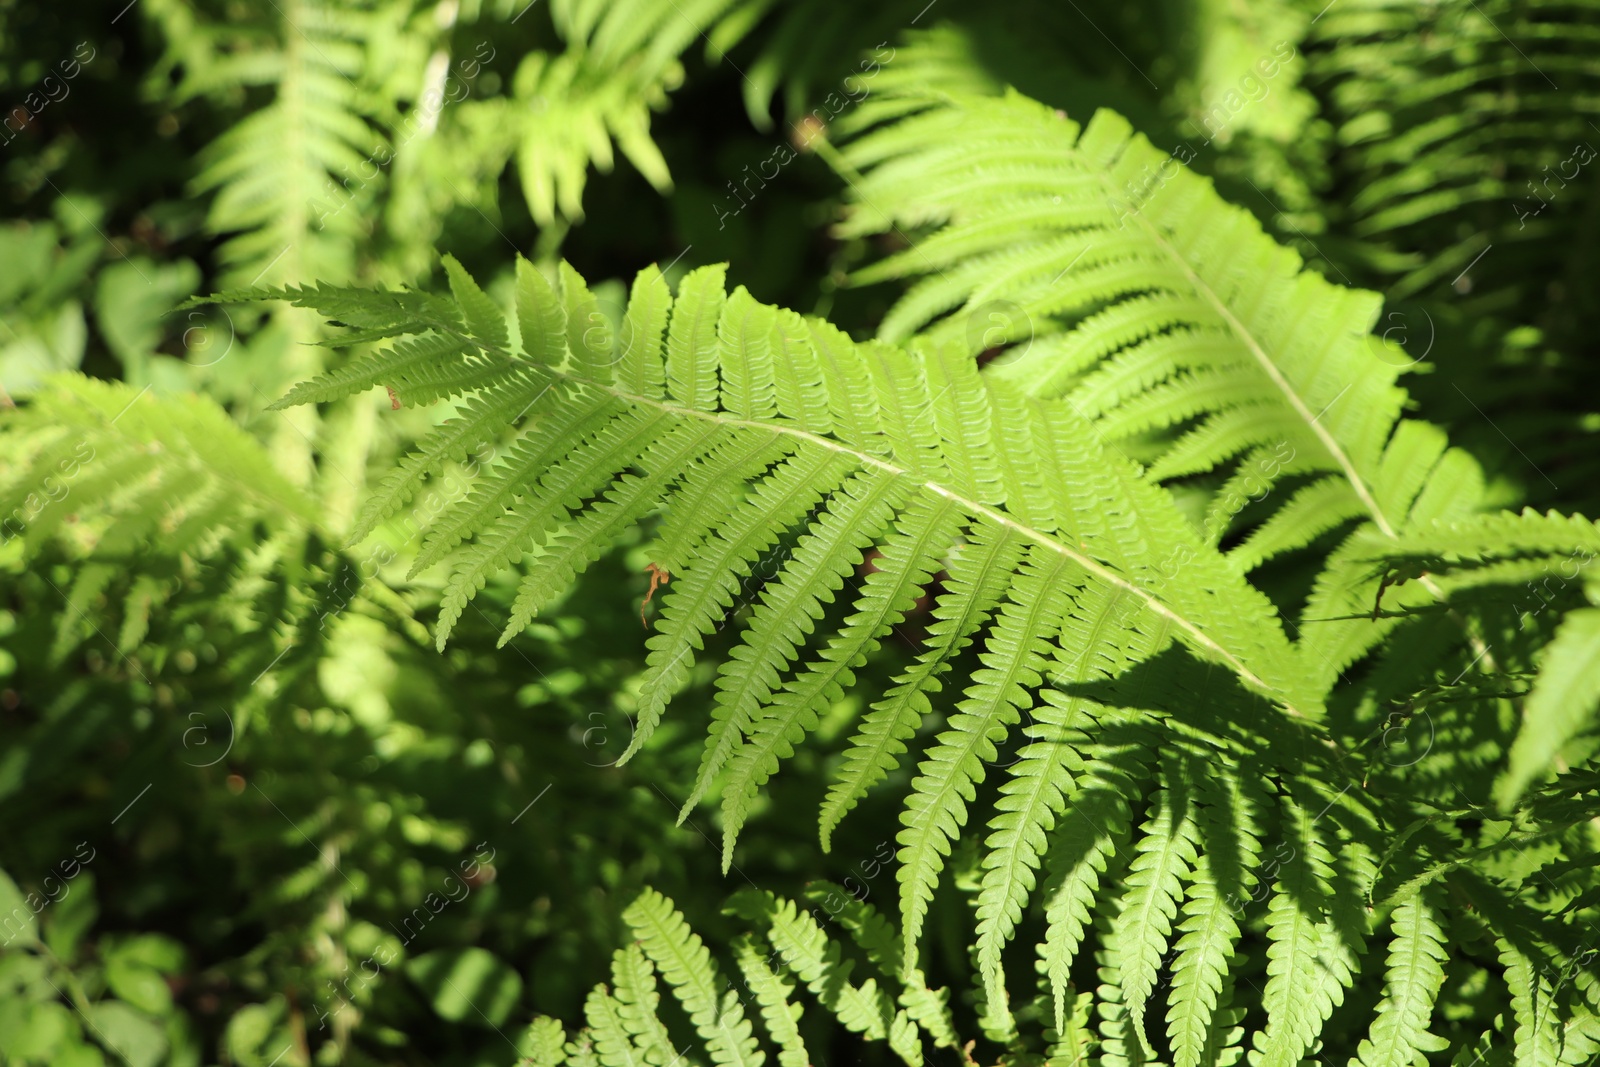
(973, 507)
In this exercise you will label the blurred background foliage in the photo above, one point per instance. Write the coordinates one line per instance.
(295, 833)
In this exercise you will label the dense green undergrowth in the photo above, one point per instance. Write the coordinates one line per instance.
(738, 532)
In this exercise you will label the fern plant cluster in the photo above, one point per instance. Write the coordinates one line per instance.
(1014, 590)
(747, 424)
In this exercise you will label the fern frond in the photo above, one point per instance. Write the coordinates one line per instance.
(1546, 553)
(1421, 171)
(137, 468)
(788, 610)
(934, 434)
(280, 178)
(1400, 1035)
(634, 979)
(1085, 592)
(1538, 1040)
(881, 942)
(1098, 642)
(582, 541)
(1222, 874)
(699, 600)
(1313, 948)
(815, 688)
(772, 990)
(1161, 314)
(817, 960)
(546, 1042)
(1486, 539)
(565, 111)
(1120, 1046)
(612, 1041)
(686, 964)
(1097, 822)
(937, 806)
(1163, 859)
(479, 421)
(978, 575)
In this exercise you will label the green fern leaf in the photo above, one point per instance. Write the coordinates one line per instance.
(636, 1005)
(976, 583)
(1095, 645)
(745, 336)
(824, 558)
(772, 990)
(586, 538)
(641, 366)
(485, 324)
(589, 336)
(545, 1042)
(881, 942)
(612, 1042)
(1537, 1039)
(700, 597)
(691, 338)
(1163, 857)
(479, 421)
(683, 960)
(1310, 958)
(1223, 872)
(578, 420)
(937, 806)
(1400, 1036)
(541, 320)
(817, 960)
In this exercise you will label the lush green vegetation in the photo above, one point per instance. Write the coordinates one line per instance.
(639, 532)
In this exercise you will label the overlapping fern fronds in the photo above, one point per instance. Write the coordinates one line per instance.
(1548, 559)
(1063, 566)
(795, 976)
(1173, 325)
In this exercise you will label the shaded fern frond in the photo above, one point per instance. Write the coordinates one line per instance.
(111, 469)
(1533, 562)
(281, 179)
(1453, 123)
